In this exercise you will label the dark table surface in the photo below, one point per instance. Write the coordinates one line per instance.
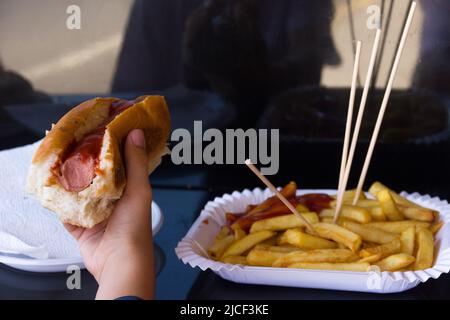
(181, 192)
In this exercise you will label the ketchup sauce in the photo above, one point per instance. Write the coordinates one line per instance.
(81, 160)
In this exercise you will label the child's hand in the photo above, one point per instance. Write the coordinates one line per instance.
(119, 251)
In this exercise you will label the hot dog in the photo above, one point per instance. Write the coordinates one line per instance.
(78, 171)
(78, 167)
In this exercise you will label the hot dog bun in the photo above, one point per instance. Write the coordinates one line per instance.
(95, 203)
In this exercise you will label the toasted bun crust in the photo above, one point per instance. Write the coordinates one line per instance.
(95, 203)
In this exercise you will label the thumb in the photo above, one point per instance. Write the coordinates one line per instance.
(136, 165)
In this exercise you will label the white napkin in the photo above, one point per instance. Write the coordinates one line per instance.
(27, 227)
(11, 245)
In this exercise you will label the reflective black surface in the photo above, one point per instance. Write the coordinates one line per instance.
(181, 192)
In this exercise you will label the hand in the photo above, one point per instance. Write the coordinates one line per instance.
(119, 251)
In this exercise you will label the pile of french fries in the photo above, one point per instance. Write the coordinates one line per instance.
(387, 230)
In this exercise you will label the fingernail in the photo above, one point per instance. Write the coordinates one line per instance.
(137, 138)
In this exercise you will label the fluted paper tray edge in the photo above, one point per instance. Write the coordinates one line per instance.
(192, 250)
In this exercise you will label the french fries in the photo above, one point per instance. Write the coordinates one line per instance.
(219, 246)
(408, 238)
(414, 213)
(350, 194)
(288, 191)
(355, 213)
(234, 260)
(239, 233)
(396, 262)
(286, 248)
(339, 234)
(398, 226)
(353, 266)
(372, 207)
(288, 221)
(319, 255)
(377, 213)
(368, 233)
(364, 203)
(382, 251)
(240, 246)
(224, 231)
(378, 186)
(370, 259)
(387, 231)
(305, 241)
(435, 227)
(425, 249)
(264, 258)
(388, 205)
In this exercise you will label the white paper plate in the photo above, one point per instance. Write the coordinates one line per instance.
(60, 265)
(192, 250)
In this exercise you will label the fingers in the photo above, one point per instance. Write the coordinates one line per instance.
(136, 167)
(81, 234)
(74, 231)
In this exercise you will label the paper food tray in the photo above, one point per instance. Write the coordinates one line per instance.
(192, 250)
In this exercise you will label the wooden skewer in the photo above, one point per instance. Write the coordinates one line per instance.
(279, 195)
(357, 125)
(384, 103)
(348, 124)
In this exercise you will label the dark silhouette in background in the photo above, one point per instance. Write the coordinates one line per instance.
(244, 50)
(433, 69)
(16, 89)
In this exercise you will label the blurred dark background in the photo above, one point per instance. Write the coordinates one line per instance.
(240, 63)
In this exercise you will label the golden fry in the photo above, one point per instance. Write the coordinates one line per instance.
(369, 233)
(383, 250)
(338, 234)
(367, 244)
(388, 206)
(425, 249)
(224, 231)
(240, 246)
(435, 227)
(234, 260)
(219, 246)
(305, 241)
(364, 203)
(370, 259)
(284, 222)
(239, 233)
(285, 249)
(319, 255)
(355, 213)
(398, 226)
(349, 195)
(377, 186)
(377, 213)
(367, 203)
(395, 262)
(354, 266)
(263, 258)
(273, 241)
(330, 220)
(415, 213)
(301, 208)
(407, 238)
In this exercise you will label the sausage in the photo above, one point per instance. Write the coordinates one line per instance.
(76, 174)
(78, 169)
(79, 165)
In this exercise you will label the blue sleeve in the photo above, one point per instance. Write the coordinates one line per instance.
(128, 298)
